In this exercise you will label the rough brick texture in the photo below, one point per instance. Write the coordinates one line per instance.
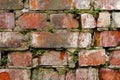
(90, 57)
(32, 21)
(88, 21)
(56, 40)
(109, 74)
(107, 4)
(7, 20)
(53, 58)
(11, 4)
(20, 59)
(50, 4)
(115, 21)
(64, 21)
(107, 38)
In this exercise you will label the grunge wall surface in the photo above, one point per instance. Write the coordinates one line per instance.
(59, 39)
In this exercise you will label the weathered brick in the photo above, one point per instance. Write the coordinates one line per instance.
(32, 21)
(82, 4)
(63, 21)
(54, 40)
(109, 74)
(115, 19)
(88, 21)
(107, 38)
(107, 4)
(90, 57)
(86, 74)
(103, 20)
(45, 74)
(20, 59)
(12, 40)
(53, 58)
(115, 58)
(50, 4)
(14, 74)
(7, 20)
(84, 39)
(11, 4)
(70, 76)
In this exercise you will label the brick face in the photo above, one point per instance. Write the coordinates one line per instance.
(107, 4)
(32, 21)
(20, 59)
(115, 58)
(11, 4)
(107, 38)
(7, 20)
(53, 58)
(90, 57)
(50, 4)
(64, 21)
(56, 40)
(115, 21)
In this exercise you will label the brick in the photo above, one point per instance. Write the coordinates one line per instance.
(115, 58)
(86, 74)
(107, 4)
(20, 59)
(82, 4)
(103, 20)
(84, 39)
(64, 21)
(11, 4)
(109, 74)
(70, 76)
(32, 21)
(7, 21)
(107, 38)
(88, 21)
(12, 40)
(53, 58)
(54, 40)
(50, 4)
(14, 74)
(90, 57)
(115, 19)
(45, 74)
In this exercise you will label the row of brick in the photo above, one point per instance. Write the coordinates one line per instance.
(51, 74)
(52, 58)
(59, 21)
(59, 39)
(61, 5)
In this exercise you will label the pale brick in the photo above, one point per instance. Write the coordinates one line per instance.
(115, 20)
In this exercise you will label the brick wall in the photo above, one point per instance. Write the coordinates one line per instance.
(59, 40)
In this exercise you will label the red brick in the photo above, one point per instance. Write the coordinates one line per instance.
(88, 21)
(84, 39)
(70, 76)
(12, 40)
(82, 4)
(107, 38)
(63, 21)
(23, 59)
(109, 74)
(7, 20)
(107, 4)
(32, 21)
(14, 74)
(54, 40)
(11, 4)
(103, 20)
(90, 57)
(86, 74)
(53, 58)
(115, 58)
(115, 19)
(50, 4)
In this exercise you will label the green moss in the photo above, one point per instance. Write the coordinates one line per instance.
(94, 12)
(3, 61)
